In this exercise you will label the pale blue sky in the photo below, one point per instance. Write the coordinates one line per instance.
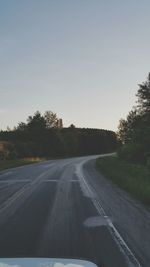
(81, 59)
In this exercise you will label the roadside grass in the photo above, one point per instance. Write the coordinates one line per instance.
(7, 164)
(135, 179)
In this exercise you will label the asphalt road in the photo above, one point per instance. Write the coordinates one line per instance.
(64, 208)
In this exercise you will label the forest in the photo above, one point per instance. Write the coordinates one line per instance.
(45, 136)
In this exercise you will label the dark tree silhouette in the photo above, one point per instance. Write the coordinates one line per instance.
(134, 132)
(44, 136)
(36, 122)
(51, 119)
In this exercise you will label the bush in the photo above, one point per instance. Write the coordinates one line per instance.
(7, 151)
(133, 153)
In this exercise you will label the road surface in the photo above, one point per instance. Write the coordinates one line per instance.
(64, 208)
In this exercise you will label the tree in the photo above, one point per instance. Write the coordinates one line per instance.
(122, 131)
(36, 122)
(134, 132)
(143, 95)
(21, 126)
(126, 128)
(51, 119)
(72, 126)
(8, 129)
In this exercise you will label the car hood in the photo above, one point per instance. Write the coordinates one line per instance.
(44, 262)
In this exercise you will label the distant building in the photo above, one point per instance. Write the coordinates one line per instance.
(60, 123)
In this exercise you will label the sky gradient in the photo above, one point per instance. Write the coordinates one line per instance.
(82, 59)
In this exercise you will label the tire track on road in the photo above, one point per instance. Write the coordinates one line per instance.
(11, 205)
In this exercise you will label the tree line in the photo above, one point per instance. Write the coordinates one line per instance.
(134, 131)
(45, 136)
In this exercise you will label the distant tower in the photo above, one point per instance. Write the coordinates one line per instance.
(149, 79)
(60, 123)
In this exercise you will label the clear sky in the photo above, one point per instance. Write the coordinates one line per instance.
(81, 59)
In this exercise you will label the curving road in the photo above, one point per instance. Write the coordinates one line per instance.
(64, 208)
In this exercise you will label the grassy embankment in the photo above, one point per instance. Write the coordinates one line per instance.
(7, 164)
(135, 179)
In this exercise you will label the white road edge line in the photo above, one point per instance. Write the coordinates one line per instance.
(129, 256)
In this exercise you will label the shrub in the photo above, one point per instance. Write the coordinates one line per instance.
(133, 153)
